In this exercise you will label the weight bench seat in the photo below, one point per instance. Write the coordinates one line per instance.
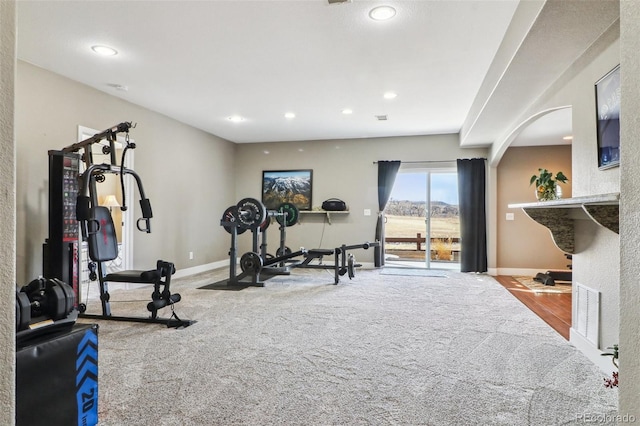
(320, 252)
(134, 276)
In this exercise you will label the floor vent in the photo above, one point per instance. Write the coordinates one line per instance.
(586, 315)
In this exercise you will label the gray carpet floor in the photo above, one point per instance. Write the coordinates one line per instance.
(375, 350)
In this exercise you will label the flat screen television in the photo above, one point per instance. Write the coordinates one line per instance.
(608, 116)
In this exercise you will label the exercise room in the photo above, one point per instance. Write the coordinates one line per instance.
(319, 212)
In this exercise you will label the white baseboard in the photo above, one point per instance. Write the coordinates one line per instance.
(180, 273)
(594, 354)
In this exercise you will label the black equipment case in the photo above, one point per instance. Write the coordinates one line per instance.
(334, 205)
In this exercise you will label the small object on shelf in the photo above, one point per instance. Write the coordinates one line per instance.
(334, 205)
(546, 186)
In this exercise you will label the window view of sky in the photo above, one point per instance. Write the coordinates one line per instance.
(413, 187)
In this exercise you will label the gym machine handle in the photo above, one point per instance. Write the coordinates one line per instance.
(147, 214)
(86, 200)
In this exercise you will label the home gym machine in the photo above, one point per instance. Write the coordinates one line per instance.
(94, 224)
(258, 266)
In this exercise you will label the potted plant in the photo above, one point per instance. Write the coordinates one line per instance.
(547, 185)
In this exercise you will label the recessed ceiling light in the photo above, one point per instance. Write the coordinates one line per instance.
(390, 95)
(104, 50)
(266, 152)
(300, 150)
(568, 138)
(382, 13)
(289, 115)
(235, 118)
(347, 111)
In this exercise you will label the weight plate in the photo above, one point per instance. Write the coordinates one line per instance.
(251, 262)
(230, 215)
(292, 214)
(264, 225)
(23, 311)
(283, 252)
(251, 213)
(69, 296)
(56, 302)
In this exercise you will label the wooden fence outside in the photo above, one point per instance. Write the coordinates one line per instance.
(419, 240)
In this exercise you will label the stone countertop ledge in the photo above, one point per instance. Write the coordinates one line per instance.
(559, 215)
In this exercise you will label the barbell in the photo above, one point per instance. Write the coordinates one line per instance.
(250, 213)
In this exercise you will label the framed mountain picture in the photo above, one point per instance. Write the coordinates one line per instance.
(287, 186)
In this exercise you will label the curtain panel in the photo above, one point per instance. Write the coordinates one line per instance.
(473, 219)
(387, 171)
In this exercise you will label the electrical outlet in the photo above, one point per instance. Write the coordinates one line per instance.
(367, 212)
(510, 216)
(190, 255)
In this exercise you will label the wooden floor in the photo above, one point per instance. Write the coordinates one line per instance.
(553, 308)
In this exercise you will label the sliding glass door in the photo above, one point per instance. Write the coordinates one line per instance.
(423, 224)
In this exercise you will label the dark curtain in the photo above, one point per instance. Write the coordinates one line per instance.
(473, 220)
(387, 171)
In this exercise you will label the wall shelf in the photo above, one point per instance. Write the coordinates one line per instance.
(328, 214)
(559, 215)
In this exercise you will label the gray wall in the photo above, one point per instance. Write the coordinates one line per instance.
(630, 210)
(7, 211)
(343, 169)
(187, 174)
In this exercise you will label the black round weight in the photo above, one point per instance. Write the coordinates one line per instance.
(251, 213)
(69, 295)
(56, 301)
(283, 252)
(292, 214)
(251, 262)
(230, 216)
(23, 311)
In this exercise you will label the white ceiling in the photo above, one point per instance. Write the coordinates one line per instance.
(203, 61)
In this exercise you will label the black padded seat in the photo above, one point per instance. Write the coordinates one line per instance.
(133, 276)
(320, 252)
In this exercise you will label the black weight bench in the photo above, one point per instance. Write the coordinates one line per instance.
(103, 247)
(344, 262)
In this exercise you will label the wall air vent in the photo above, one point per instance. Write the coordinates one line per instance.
(381, 117)
(339, 1)
(586, 313)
